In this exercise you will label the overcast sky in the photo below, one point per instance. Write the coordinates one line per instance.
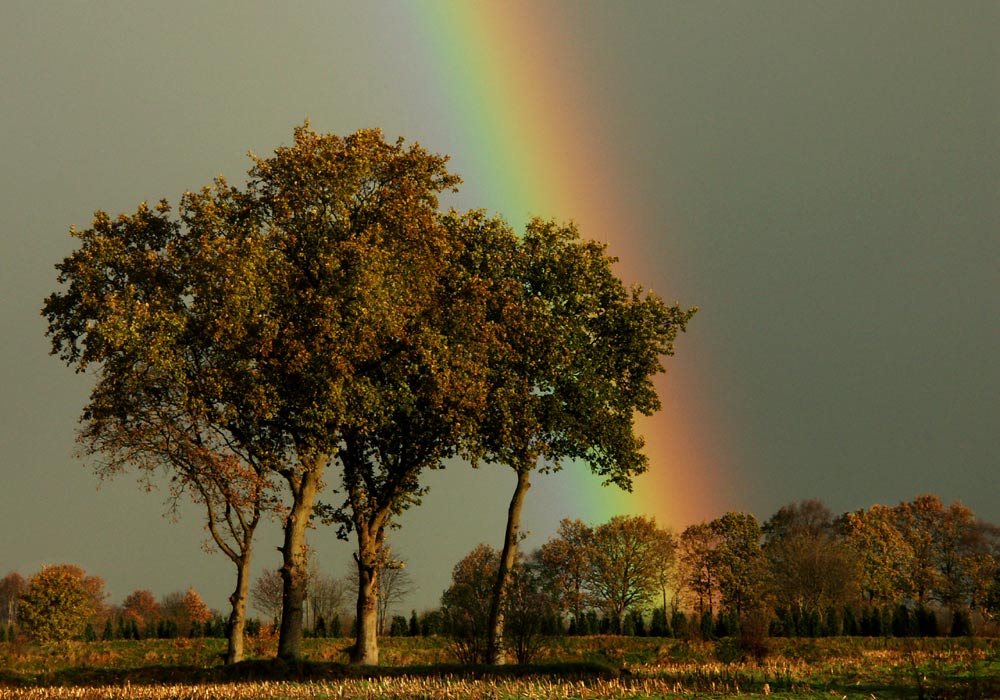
(822, 179)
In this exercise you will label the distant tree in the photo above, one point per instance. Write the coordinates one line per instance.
(699, 570)
(991, 596)
(883, 554)
(266, 594)
(926, 622)
(625, 565)
(186, 614)
(326, 596)
(564, 563)
(809, 563)
(395, 583)
(530, 610)
(11, 587)
(414, 625)
(636, 623)
(141, 607)
(903, 622)
(961, 623)
(951, 555)
(659, 624)
(918, 522)
(465, 605)
(851, 627)
(334, 629)
(399, 626)
(572, 361)
(739, 561)
(195, 609)
(679, 624)
(432, 622)
(57, 604)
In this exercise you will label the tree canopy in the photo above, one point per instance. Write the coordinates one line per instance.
(327, 322)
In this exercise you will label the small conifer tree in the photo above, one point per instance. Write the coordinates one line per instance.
(851, 626)
(961, 624)
(927, 624)
(679, 624)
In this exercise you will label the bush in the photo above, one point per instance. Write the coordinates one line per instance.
(56, 606)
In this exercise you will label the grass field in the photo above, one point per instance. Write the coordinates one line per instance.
(590, 667)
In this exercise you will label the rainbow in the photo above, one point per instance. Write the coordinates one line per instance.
(532, 144)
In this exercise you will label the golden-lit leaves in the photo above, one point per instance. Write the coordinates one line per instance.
(570, 351)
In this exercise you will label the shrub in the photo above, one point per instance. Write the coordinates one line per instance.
(56, 605)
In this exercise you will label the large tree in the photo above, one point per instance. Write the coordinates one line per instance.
(392, 366)
(571, 356)
(271, 331)
(161, 306)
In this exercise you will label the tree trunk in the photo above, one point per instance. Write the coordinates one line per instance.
(238, 615)
(365, 650)
(295, 566)
(495, 645)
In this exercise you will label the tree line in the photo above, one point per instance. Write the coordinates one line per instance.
(919, 568)
(304, 347)
(65, 602)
